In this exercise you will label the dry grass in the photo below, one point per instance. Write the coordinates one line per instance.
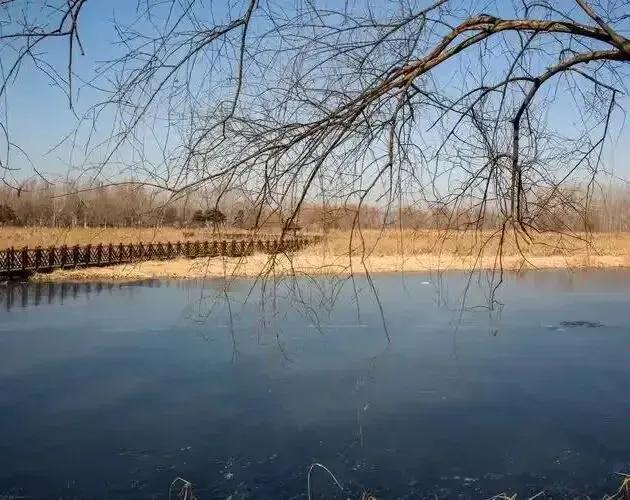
(623, 493)
(18, 237)
(471, 244)
(375, 243)
(421, 252)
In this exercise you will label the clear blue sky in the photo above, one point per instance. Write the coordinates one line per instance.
(39, 115)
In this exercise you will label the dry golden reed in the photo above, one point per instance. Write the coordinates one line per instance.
(342, 252)
(31, 237)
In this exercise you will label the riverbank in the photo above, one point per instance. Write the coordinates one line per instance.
(311, 264)
(385, 251)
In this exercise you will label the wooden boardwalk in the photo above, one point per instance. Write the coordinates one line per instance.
(25, 261)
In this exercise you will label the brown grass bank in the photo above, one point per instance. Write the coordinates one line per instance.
(386, 251)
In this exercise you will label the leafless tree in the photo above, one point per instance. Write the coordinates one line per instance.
(343, 102)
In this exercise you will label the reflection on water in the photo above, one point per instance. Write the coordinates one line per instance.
(110, 390)
(34, 294)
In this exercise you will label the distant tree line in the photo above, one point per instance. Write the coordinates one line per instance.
(70, 205)
(40, 204)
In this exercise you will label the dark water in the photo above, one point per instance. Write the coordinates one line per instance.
(114, 391)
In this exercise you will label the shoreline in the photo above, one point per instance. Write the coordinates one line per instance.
(311, 264)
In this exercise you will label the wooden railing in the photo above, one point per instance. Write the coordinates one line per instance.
(29, 260)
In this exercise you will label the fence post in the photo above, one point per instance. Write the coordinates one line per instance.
(223, 248)
(24, 258)
(64, 256)
(9, 259)
(110, 253)
(75, 255)
(38, 257)
(87, 255)
(99, 253)
(51, 257)
(178, 248)
(121, 252)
